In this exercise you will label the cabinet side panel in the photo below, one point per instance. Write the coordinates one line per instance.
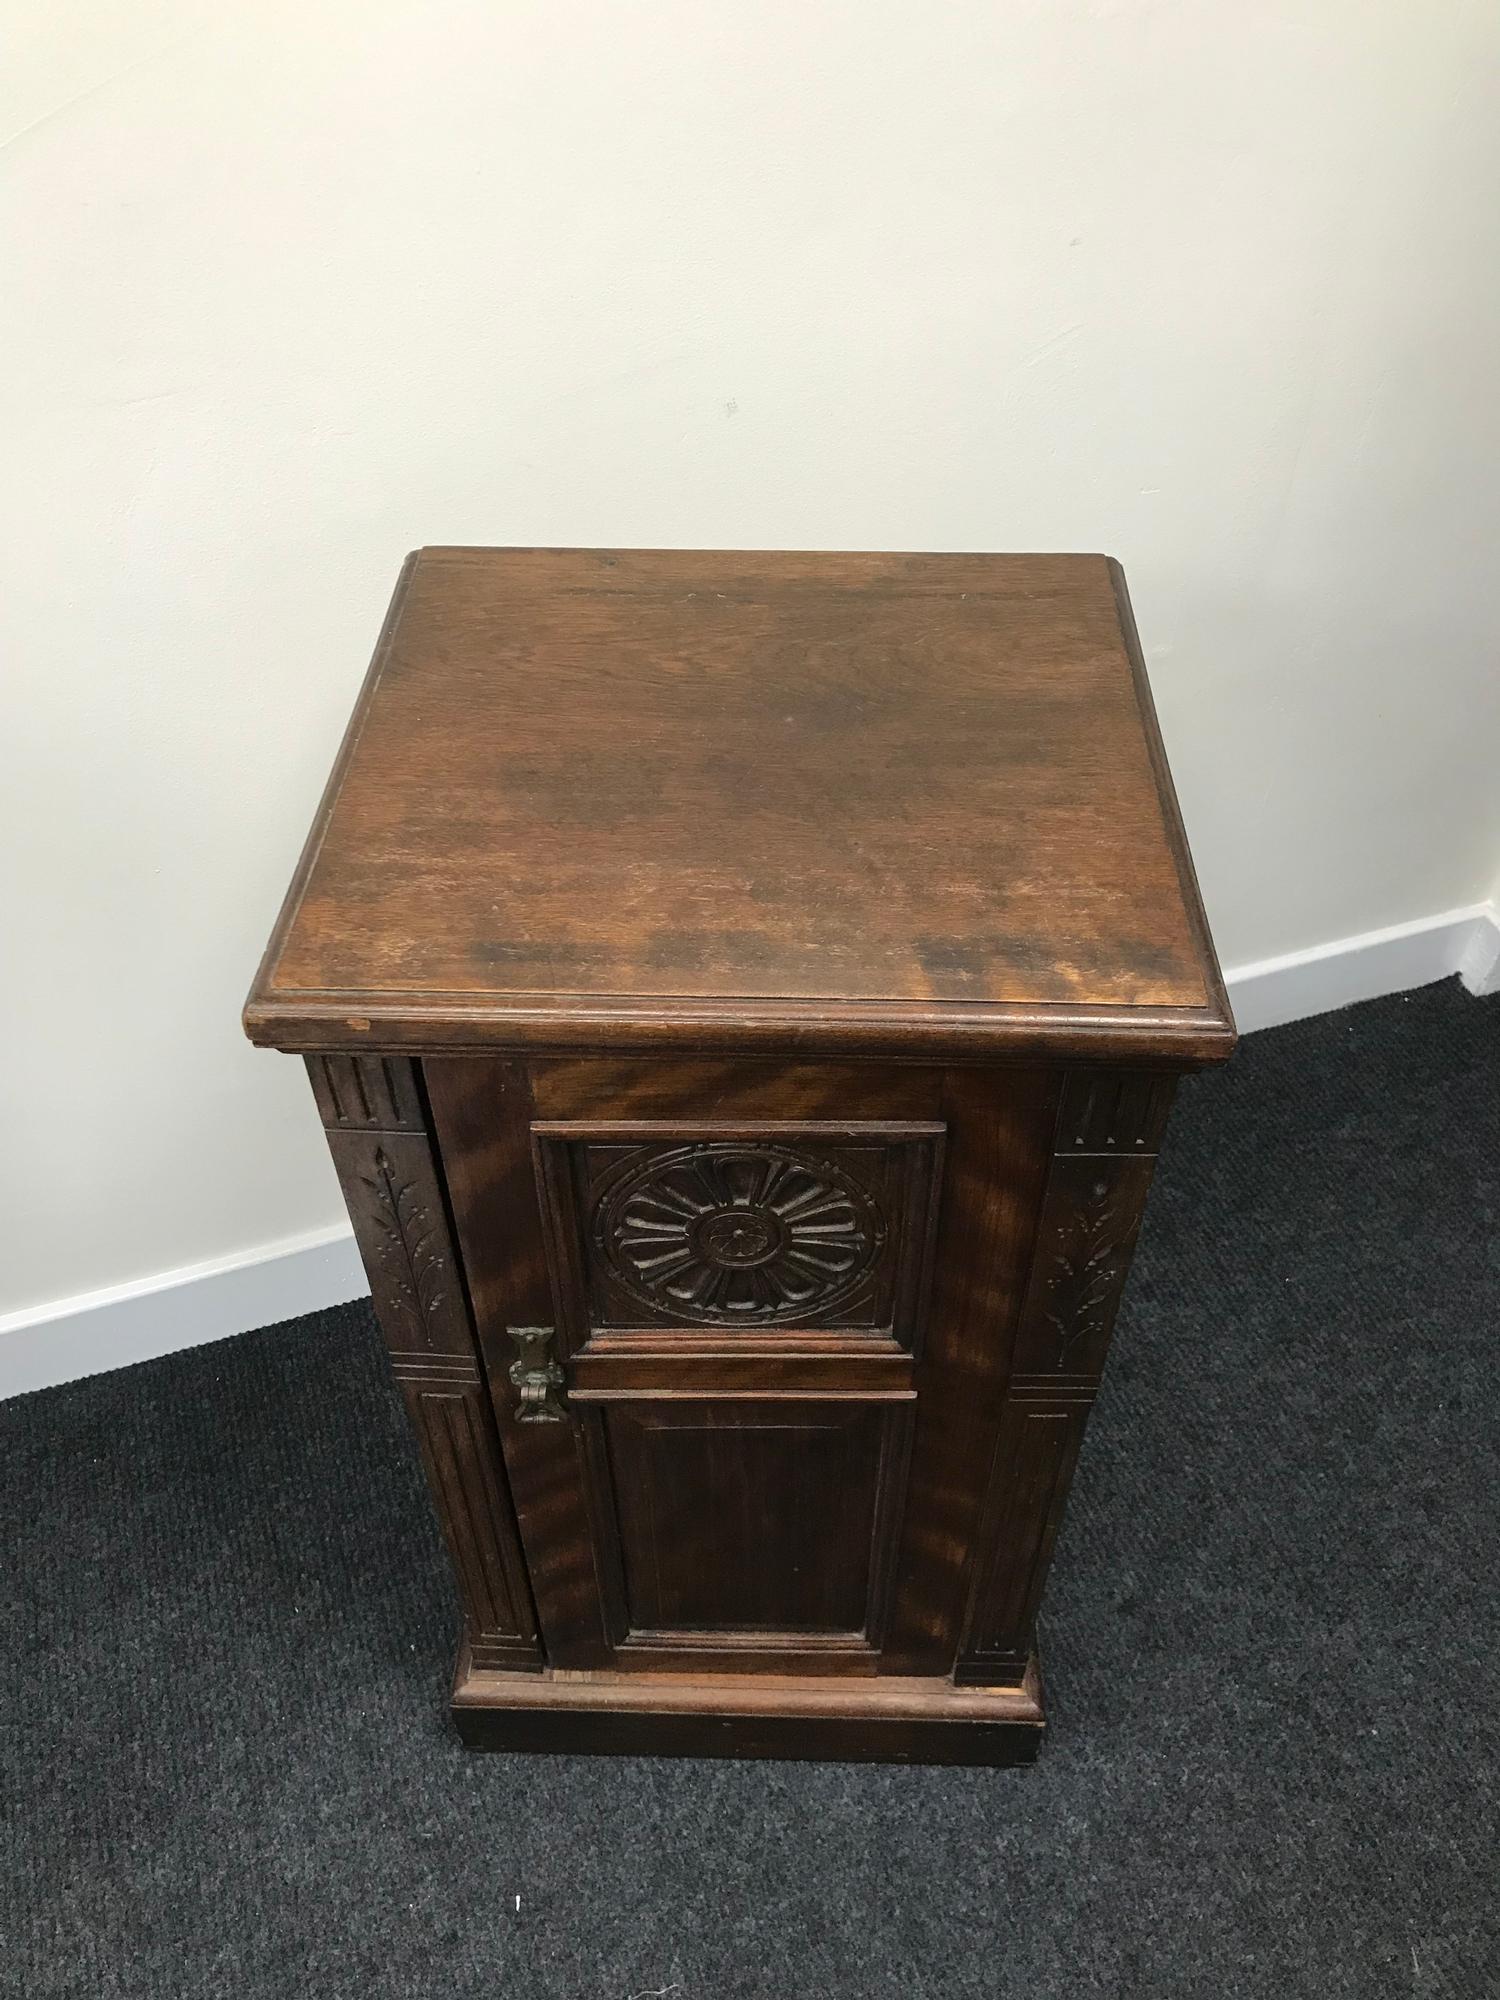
(1108, 1128)
(1035, 1454)
(383, 1154)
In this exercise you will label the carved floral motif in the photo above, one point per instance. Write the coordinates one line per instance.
(737, 1233)
(1088, 1269)
(407, 1244)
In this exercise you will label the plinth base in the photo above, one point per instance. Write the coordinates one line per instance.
(843, 1719)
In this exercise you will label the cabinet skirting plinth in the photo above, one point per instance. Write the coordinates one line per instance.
(841, 1719)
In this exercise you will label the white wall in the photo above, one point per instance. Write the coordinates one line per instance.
(295, 288)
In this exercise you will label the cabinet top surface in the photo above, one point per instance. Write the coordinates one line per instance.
(638, 795)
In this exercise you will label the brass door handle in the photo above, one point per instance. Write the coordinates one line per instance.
(537, 1377)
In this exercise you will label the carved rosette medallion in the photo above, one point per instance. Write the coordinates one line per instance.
(732, 1234)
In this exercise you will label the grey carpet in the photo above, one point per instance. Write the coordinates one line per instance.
(1271, 1646)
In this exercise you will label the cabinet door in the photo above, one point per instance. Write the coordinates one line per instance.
(746, 1329)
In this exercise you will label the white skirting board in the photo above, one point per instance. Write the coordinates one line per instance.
(95, 1331)
(1327, 976)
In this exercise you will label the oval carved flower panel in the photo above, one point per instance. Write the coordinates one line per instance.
(738, 1233)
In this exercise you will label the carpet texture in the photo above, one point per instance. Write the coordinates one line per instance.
(1271, 1646)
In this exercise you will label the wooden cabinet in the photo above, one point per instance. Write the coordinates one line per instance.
(744, 995)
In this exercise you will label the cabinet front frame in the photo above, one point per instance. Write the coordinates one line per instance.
(491, 1117)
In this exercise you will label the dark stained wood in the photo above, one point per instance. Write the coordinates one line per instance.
(483, 1114)
(909, 1721)
(872, 1206)
(874, 1340)
(1035, 1454)
(997, 1159)
(744, 995)
(742, 1521)
(1109, 1125)
(865, 802)
(791, 1092)
(623, 1368)
(396, 1205)
(1089, 1222)
(366, 1093)
(1182, 855)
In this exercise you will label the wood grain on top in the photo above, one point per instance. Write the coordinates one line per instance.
(635, 794)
